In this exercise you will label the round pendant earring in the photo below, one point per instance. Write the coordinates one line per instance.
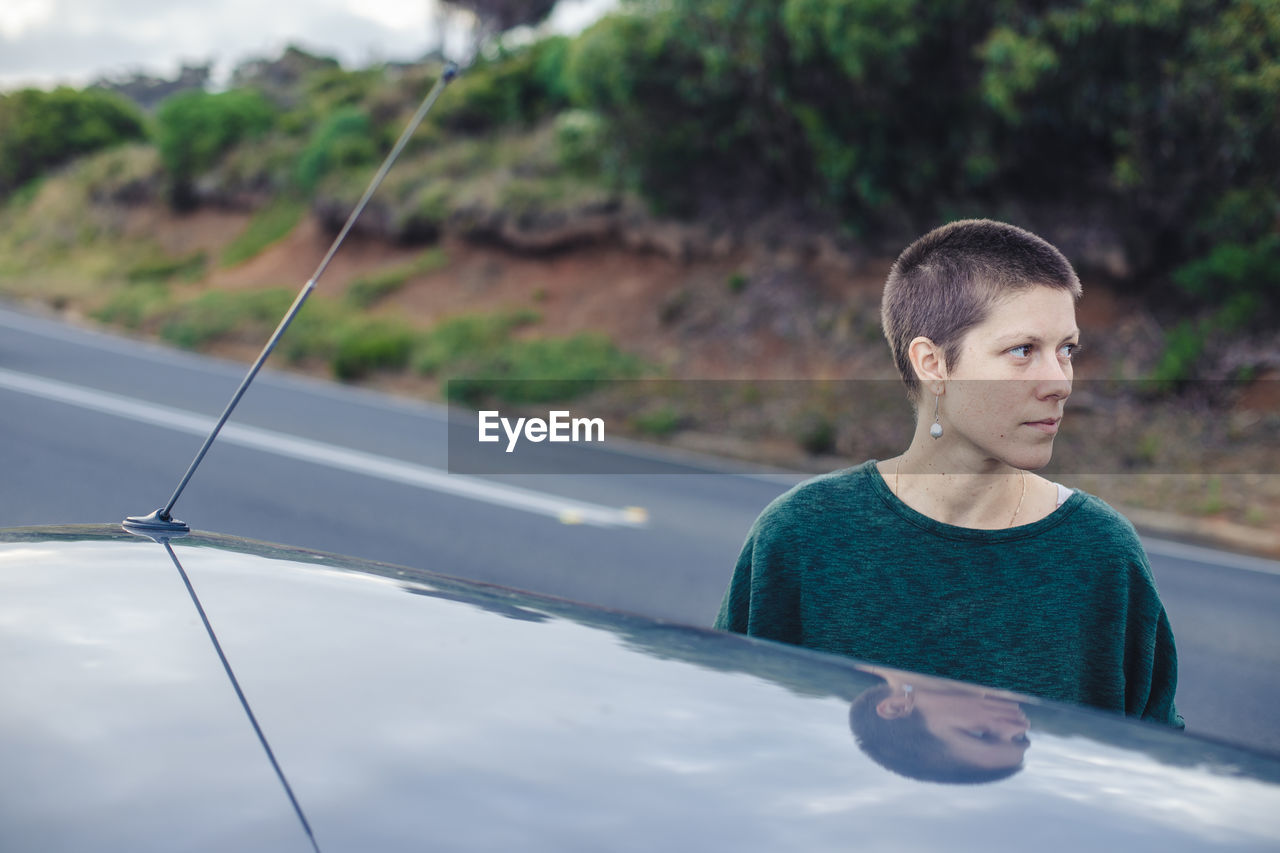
(936, 429)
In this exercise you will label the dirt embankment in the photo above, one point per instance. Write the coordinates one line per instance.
(758, 306)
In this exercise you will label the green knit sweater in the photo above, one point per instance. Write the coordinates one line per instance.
(1064, 607)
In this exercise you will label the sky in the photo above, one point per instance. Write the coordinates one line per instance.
(47, 42)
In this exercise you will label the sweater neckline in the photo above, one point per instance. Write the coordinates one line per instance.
(953, 531)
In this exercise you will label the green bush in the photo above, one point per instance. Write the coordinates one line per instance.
(514, 88)
(40, 130)
(659, 422)
(345, 139)
(132, 306)
(469, 337)
(365, 346)
(542, 370)
(1241, 281)
(581, 142)
(815, 432)
(891, 114)
(194, 129)
(218, 315)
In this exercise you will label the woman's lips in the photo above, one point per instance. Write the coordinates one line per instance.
(1048, 427)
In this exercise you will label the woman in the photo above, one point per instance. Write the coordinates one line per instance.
(951, 559)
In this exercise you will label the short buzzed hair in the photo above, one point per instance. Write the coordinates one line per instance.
(946, 282)
(906, 747)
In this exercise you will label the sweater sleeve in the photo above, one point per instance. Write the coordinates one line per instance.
(1151, 666)
(763, 597)
(1164, 677)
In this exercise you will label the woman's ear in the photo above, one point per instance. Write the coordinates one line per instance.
(929, 363)
(898, 704)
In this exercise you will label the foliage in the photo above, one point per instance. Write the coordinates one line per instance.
(218, 315)
(468, 337)
(131, 306)
(365, 346)
(581, 142)
(1241, 281)
(367, 290)
(194, 129)
(188, 267)
(514, 88)
(890, 113)
(1239, 287)
(352, 345)
(658, 422)
(345, 139)
(40, 130)
(541, 370)
(269, 224)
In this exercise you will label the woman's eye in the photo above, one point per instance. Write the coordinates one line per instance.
(1070, 350)
(1022, 351)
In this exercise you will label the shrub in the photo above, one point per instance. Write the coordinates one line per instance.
(1242, 282)
(890, 114)
(132, 306)
(659, 422)
(581, 141)
(194, 129)
(514, 88)
(362, 347)
(40, 130)
(469, 337)
(542, 370)
(345, 139)
(218, 315)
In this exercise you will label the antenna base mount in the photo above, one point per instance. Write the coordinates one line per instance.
(156, 522)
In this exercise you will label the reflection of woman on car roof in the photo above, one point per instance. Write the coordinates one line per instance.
(936, 730)
(951, 558)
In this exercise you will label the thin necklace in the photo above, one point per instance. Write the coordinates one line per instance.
(897, 491)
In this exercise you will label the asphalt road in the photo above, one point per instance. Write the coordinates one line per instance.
(95, 427)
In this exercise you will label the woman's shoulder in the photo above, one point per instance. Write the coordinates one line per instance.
(834, 492)
(1098, 526)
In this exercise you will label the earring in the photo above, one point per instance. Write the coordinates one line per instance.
(936, 429)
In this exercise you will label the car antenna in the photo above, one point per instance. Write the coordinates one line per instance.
(162, 520)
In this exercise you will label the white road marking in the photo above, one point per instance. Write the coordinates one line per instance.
(566, 510)
(144, 350)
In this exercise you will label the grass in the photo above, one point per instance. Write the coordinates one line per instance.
(542, 370)
(659, 423)
(132, 306)
(219, 315)
(364, 346)
(268, 225)
(367, 290)
(188, 268)
(475, 180)
(468, 338)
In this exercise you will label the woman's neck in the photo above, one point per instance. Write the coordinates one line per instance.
(988, 495)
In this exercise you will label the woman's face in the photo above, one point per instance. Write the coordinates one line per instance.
(980, 729)
(1005, 396)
